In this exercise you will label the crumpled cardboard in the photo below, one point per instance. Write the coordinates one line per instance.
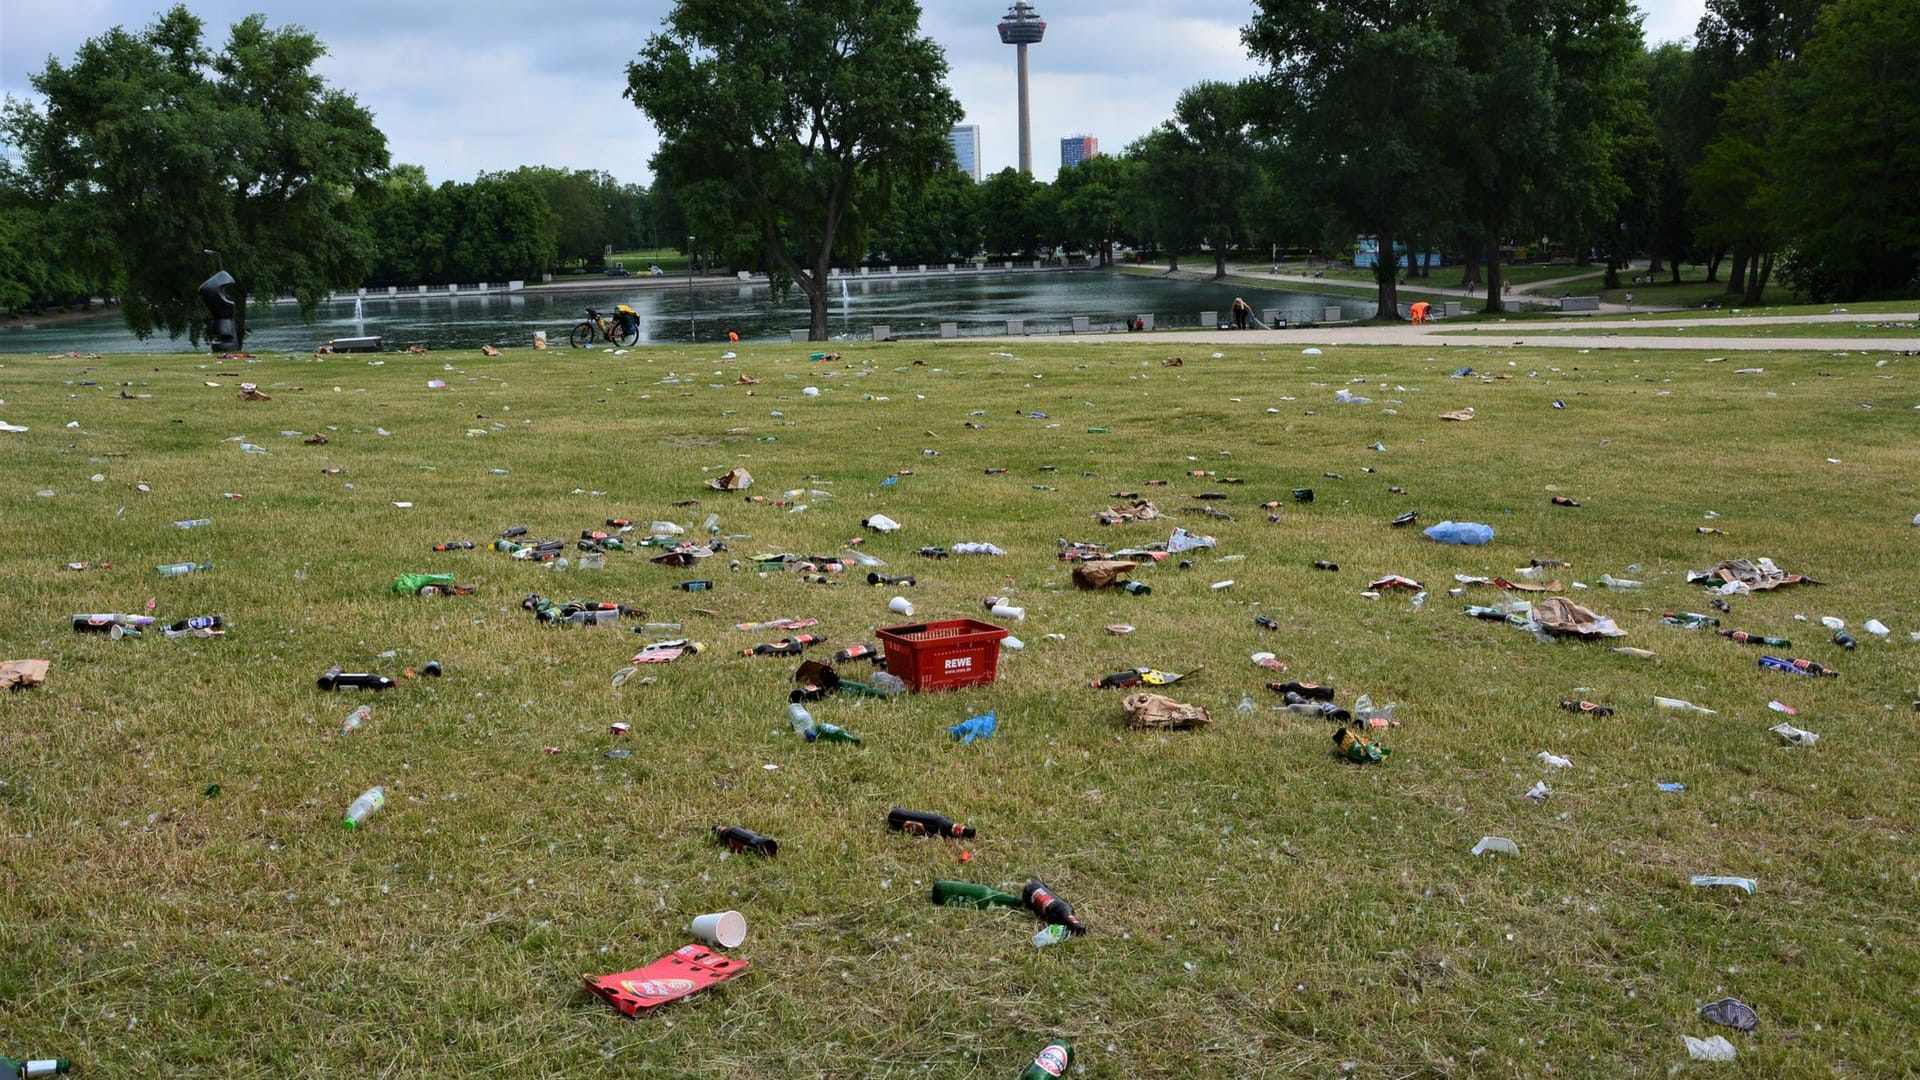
(249, 392)
(1100, 573)
(21, 674)
(732, 480)
(1558, 615)
(1757, 576)
(1458, 414)
(1138, 511)
(1158, 711)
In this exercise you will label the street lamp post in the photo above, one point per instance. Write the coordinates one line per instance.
(693, 333)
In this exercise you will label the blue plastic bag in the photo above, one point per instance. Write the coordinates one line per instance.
(1471, 533)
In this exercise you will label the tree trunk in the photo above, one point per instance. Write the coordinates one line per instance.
(1676, 272)
(1653, 265)
(240, 319)
(1757, 280)
(1386, 274)
(1713, 264)
(1173, 261)
(1612, 279)
(814, 284)
(1495, 303)
(1737, 277)
(1219, 263)
(1470, 270)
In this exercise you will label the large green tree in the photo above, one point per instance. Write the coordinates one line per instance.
(1362, 94)
(804, 113)
(150, 147)
(1847, 181)
(1089, 196)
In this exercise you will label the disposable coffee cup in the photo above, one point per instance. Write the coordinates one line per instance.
(900, 605)
(726, 929)
(1008, 611)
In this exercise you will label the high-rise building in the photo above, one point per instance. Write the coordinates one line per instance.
(966, 148)
(1075, 149)
(1023, 27)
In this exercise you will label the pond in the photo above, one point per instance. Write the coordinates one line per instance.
(912, 307)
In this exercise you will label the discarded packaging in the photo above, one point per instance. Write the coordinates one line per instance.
(1146, 710)
(688, 970)
(1554, 761)
(1714, 1049)
(1794, 736)
(1499, 845)
(22, 674)
(1730, 1012)
(1707, 881)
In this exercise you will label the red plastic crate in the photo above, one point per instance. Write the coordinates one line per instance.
(944, 655)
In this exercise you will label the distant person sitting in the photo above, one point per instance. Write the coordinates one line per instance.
(655, 271)
(1139, 324)
(1242, 311)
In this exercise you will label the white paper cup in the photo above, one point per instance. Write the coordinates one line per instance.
(900, 605)
(1008, 611)
(726, 929)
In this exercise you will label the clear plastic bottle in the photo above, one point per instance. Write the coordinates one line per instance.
(192, 523)
(364, 807)
(713, 524)
(355, 719)
(181, 569)
(252, 449)
(799, 719)
(888, 683)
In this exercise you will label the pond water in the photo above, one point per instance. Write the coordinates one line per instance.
(911, 307)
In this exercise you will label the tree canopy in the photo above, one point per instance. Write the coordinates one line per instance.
(151, 148)
(795, 120)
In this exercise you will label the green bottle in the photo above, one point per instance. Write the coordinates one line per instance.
(1053, 1060)
(10, 1069)
(831, 733)
(965, 894)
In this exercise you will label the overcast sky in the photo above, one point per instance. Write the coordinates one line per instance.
(489, 84)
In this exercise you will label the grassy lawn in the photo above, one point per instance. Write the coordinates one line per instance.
(1450, 277)
(672, 260)
(1328, 288)
(1763, 330)
(180, 898)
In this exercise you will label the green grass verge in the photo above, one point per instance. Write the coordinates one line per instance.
(1257, 906)
(672, 260)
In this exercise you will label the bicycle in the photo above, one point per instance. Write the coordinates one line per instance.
(622, 328)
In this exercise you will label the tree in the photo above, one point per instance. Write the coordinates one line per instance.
(1683, 130)
(1010, 219)
(1848, 177)
(150, 149)
(940, 223)
(1737, 40)
(1156, 201)
(1219, 163)
(1090, 195)
(804, 113)
(1361, 93)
